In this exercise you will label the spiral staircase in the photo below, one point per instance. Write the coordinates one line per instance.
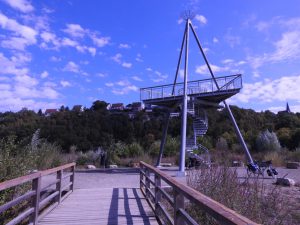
(198, 154)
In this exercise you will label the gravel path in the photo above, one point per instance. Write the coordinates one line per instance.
(129, 177)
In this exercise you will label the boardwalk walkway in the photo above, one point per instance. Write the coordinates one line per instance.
(106, 205)
(102, 206)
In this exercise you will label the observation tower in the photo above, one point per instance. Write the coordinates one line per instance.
(193, 97)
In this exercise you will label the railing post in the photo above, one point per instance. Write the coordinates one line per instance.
(147, 183)
(178, 203)
(72, 177)
(36, 186)
(59, 185)
(157, 191)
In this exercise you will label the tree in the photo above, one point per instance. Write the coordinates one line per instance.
(267, 141)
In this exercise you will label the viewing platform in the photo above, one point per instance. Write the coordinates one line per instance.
(170, 95)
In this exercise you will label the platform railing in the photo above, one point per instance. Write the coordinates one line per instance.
(180, 196)
(226, 83)
(38, 206)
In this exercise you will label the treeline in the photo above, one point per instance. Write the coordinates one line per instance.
(97, 127)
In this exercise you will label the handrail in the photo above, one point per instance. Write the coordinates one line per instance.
(182, 192)
(38, 204)
(194, 87)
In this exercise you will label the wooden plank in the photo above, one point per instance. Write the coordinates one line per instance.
(102, 206)
(53, 170)
(16, 201)
(19, 180)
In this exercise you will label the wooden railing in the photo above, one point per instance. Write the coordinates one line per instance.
(179, 197)
(40, 206)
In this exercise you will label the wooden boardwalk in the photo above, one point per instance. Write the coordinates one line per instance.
(109, 206)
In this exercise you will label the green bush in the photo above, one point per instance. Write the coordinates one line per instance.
(267, 141)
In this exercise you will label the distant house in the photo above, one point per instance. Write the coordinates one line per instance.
(77, 108)
(128, 107)
(148, 109)
(117, 107)
(137, 106)
(49, 112)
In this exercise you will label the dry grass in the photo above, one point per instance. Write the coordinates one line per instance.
(258, 202)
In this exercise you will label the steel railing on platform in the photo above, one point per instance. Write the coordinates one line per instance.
(38, 207)
(226, 83)
(178, 196)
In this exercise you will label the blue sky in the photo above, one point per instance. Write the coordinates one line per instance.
(55, 53)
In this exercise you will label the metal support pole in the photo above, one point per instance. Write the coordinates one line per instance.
(236, 128)
(181, 171)
(179, 60)
(163, 140)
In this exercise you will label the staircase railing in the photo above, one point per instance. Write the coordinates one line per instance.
(39, 206)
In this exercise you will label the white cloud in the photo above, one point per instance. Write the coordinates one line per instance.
(125, 90)
(101, 74)
(55, 59)
(92, 51)
(256, 74)
(201, 19)
(110, 84)
(123, 83)
(71, 67)
(117, 58)
(158, 76)
(181, 73)
(75, 30)
(17, 43)
(21, 5)
(26, 32)
(216, 69)
(26, 81)
(65, 83)
(227, 61)
(69, 42)
(139, 58)
(149, 69)
(180, 21)
(44, 74)
(12, 66)
(100, 41)
(286, 48)
(282, 89)
(136, 78)
(215, 40)
(127, 65)
(126, 46)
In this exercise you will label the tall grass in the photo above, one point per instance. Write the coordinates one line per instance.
(251, 198)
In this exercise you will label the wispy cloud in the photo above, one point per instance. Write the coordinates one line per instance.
(136, 78)
(65, 83)
(75, 30)
(216, 69)
(23, 35)
(126, 46)
(139, 58)
(21, 5)
(127, 65)
(282, 89)
(44, 74)
(118, 59)
(201, 19)
(71, 67)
